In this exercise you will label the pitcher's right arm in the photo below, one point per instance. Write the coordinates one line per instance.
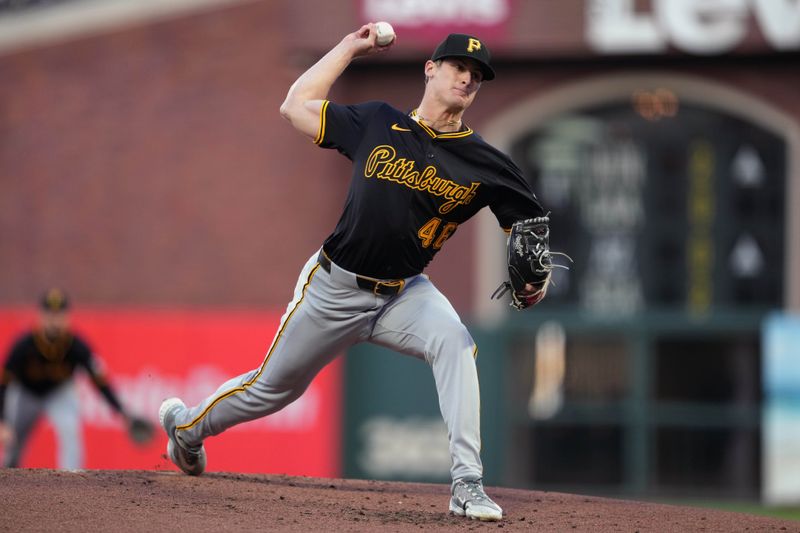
(303, 103)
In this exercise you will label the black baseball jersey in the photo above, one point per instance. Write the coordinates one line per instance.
(41, 364)
(412, 187)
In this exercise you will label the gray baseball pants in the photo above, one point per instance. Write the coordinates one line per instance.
(23, 408)
(329, 313)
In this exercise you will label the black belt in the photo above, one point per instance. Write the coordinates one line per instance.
(383, 287)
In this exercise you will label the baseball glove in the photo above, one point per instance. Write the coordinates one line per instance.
(530, 263)
(140, 430)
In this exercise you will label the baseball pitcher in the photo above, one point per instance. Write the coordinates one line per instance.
(417, 176)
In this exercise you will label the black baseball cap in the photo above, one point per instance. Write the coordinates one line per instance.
(461, 45)
(54, 300)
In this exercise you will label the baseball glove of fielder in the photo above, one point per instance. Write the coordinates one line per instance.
(140, 430)
(530, 263)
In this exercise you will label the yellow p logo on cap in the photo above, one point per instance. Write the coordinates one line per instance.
(474, 44)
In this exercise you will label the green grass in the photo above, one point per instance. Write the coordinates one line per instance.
(786, 513)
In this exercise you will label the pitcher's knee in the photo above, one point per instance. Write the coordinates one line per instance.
(269, 398)
(451, 341)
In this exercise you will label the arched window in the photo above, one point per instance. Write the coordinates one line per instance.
(661, 205)
(665, 193)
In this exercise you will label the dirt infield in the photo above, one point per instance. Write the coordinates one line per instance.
(100, 500)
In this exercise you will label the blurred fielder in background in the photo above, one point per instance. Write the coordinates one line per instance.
(38, 376)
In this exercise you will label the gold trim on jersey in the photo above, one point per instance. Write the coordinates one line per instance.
(430, 131)
(248, 384)
(322, 122)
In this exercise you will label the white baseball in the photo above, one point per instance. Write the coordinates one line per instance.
(384, 32)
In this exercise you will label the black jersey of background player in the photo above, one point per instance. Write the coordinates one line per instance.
(412, 187)
(41, 363)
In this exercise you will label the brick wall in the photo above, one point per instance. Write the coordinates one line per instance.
(150, 167)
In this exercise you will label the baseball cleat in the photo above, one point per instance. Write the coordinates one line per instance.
(193, 462)
(469, 499)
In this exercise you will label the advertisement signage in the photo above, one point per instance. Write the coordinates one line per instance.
(781, 411)
(152, 355)
(422, 21)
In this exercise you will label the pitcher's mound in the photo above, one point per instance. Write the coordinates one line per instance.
(102, 500)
